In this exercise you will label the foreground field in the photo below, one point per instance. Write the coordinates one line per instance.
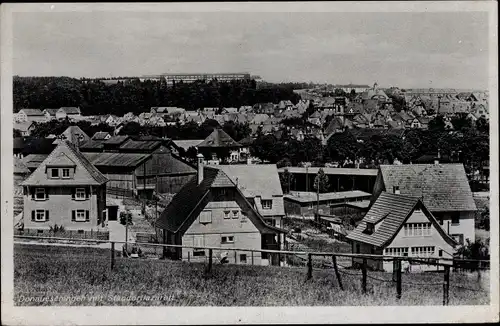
(45, 275)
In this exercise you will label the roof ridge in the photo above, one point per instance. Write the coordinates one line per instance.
(93, 171)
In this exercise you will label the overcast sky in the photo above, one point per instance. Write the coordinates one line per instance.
(394, 49)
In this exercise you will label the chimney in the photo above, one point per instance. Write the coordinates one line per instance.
(200, 168)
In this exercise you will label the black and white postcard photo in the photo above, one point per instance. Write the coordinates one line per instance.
(242, 163)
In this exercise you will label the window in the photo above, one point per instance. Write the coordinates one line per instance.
(370, 227)
(243, 258)
(218, 192)
(417, 229)
(458, 238)
(455, 219)
(270, 221)
(236, 214)
(226, 214)
(40, 194)
(206, 217)
(267, 204)
(40, 216)
(80, 231)
(198, 253)
(80, 194)
(54, 173)
(80, 215)
(358, 248)
(422, 251)
(227, 239)
(397, 251)
(440, 252)
(65, 173)
(395, 190)
(39, 231)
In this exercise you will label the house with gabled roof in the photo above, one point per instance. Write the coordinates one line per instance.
(73, 134)
(443, 188)
(400, 225)
(50, 114)
(219, 145)
(68, 112)
(30, 115)
(211, 210)
(67, 190)
(101, 135)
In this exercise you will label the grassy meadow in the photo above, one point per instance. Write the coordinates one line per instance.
(82, 276)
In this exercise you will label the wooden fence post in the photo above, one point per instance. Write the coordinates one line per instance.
(337, 274)
(112, 255)
(235, 257)
(309, 267)
(363, 284)
(446, 285)
(398, 279)
(252, 257)
(210, 255)
(394, 270)
(189, 256)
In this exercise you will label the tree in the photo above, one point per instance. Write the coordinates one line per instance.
(237, 130)
(286, 179)
(460, 122)
(482, 125)
(342, 147)
(320, 185)
(437, 124)
(16, 133)
(132, 128)
(126, 219)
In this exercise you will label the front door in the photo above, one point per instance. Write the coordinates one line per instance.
(112, 213)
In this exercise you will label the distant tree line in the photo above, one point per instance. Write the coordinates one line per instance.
(468, 144)
(190, 130)
(131, 95)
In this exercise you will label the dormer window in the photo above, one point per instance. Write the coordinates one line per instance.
(267, 204)
(65, 173)
(54, 173)
(370, 228)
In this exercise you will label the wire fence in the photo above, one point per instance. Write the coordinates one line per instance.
(386, 270)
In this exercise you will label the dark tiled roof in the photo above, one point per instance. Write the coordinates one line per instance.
(33, 112)
(139, 145)
(184, 203)
(443, 187)
(92, 144)
(388, 214)
(38, 146)
(20, 167)
(116, 140)
(116, 159)
(71, 109)
(219, 138)
(100, 135)
(186, 200)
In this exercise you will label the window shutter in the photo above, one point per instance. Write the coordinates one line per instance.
(32, 215)
(87, 216)
(87, 192)
(73, 190)
(46, 193)
(32, 190)
(73, 217)
(46, 215)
